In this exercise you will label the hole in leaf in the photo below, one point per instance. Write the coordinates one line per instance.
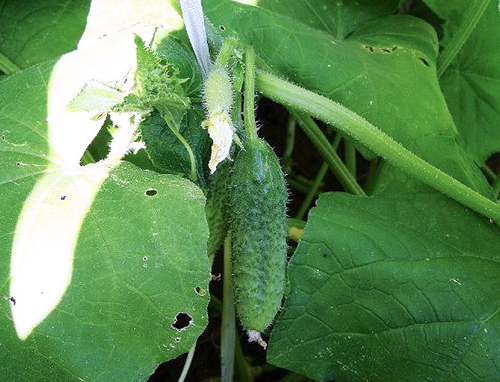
(145, 258)
(424, 61)
(222, 28)
(182, 321)
(3, 137)
(151, 192)
(394, 48)
(369, 48)
(177, 339)
(200, 291)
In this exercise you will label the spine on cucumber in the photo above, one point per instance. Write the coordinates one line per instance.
(258, 200)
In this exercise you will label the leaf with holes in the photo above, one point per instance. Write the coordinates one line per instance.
(386, 289)
(362, 56)
(380, 65)
(89, 248)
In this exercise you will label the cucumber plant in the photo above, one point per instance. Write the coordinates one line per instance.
(137, 176)
(258, 200)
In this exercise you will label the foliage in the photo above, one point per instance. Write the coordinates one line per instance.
(105, 202)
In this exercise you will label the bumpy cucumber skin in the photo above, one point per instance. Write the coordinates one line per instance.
(218, 91)
(258, 198)
(217, 208)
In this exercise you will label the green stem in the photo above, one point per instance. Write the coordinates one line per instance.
(228, 327)
(249, 102)
(490, 174)
(327, 152)
(289, 144)
(496, 187)
(316, 183)
(243, 370)
(187, 364)
(299, 183)
(371, 177)
(350, 157)
(461, 37)
(7, 66)
(361, 130)
(192, 175)
(238, 79)
(226, 51)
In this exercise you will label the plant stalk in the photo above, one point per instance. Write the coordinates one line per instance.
(350, 123)
(330, 156)
(249, 103)
(316, 183)
(228, 327)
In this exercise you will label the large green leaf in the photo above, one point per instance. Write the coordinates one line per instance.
(38, 30)
(384, 68)
(108, 272)
(471, 82)
(386, 289)
(338, 18)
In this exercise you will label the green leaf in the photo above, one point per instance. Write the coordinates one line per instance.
(470, 83)
(176, 54)
(386, 289)
(108, 272)
(339, 20)
(39, 30)
(96, 97)
(384, 67)
(166, 151)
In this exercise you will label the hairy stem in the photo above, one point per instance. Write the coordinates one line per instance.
(358, 128)
(226, 51)
(249, 102)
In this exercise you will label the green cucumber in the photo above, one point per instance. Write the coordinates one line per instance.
(258, 198)
(216, 208)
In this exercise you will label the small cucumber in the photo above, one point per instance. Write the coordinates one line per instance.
(258, 198)
(216, 208)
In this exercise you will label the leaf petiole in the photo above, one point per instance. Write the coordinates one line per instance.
(192, 174)
(249, 95)
(352, 124)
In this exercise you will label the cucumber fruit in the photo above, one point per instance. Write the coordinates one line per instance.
(217, 208)
(258, 198)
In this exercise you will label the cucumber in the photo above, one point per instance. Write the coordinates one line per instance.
(217, 208)
(258, 198)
